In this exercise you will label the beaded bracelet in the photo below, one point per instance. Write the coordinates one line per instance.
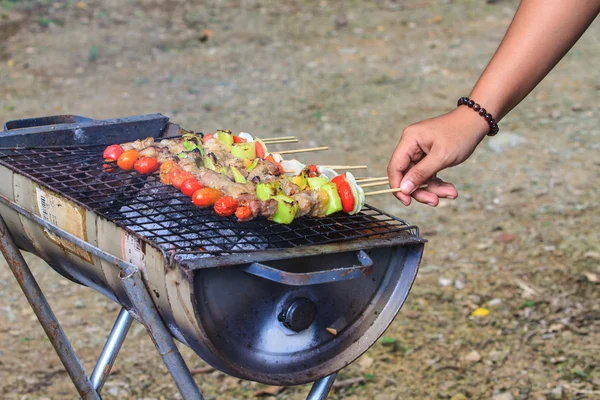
(476, 107)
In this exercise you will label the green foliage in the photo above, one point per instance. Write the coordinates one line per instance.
(527, 304)
(93, 54)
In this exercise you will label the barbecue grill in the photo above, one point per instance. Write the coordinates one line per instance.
(276, 304)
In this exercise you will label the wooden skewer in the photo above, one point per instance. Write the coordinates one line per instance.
(345, 166)
(282, 141)
(303, 150)
(364, 180)
(390, 191)
(278, 138)
(372, 184)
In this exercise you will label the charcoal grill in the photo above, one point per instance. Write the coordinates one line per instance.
(276, 304)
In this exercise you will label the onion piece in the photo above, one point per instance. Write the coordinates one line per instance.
(358, 192)
(293, 167)
(246, 136)
(277, 157)
(328, 172)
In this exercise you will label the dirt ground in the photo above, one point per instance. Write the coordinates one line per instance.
(522, 240)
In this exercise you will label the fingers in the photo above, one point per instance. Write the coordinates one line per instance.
(425, 197)
(436, 189)
(441, 189)
(425, 169)
(401, 161)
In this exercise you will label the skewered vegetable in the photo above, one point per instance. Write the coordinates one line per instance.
(127, 159)
(165, 171)
(287, 208)
(244, 150)
(146, 165)
(334, 203)
(345, 192)
(190, 186)
(206, 197)
(225, 137)
(113, 152)
(178, 176)
(226, 206)
(243, 213)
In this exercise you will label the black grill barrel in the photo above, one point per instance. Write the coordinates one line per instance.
(256, 300)
(298, 315)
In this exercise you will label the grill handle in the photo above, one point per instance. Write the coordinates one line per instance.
(313, 278)
(44, 121)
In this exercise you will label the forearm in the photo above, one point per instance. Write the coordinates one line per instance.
(541, 33)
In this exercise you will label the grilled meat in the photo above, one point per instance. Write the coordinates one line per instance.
(162, 154)
(311, 203)
(139, 144)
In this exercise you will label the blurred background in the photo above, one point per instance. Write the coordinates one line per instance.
(521, 242)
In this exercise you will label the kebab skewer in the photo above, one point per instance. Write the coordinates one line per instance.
(315, 197)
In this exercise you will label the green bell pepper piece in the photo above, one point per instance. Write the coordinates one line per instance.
(189, 146)
(286, 209)
(224, 137)
(265, 191)
(244, 151)
(335, 202)
(237, 175)
(317, 182)
(254, 164)
(300, 181)
(208, 161)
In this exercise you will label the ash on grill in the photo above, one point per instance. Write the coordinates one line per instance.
(168, 233)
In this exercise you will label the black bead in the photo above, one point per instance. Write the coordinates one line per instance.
(471, 103)
(492, 122)
(482, 112)
(487, 116)
(476, 107)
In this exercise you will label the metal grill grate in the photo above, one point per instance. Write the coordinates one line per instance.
(164, 216)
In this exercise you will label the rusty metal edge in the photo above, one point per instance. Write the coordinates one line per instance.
(282, 254)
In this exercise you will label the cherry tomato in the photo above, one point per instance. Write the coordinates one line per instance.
(189, 186)
(243, 213)
(206, 197)
(226, 206)
(207, 137)
(313, 171)
(260, 150)
(270, 158)
(110, 166)
(146, 165)
(237, 139)
(127, 160)
(178, 176)
(165, 171)
(345, 192)
(112, 152)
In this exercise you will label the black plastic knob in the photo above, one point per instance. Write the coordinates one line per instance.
(298, 314)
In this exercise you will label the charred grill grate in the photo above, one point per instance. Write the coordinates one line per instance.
(164, 216)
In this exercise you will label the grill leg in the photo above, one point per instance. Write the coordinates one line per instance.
(44, 313)
(111, 349)
(321, 388)
(145, 309)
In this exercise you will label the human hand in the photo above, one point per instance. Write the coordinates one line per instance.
(430, 146)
